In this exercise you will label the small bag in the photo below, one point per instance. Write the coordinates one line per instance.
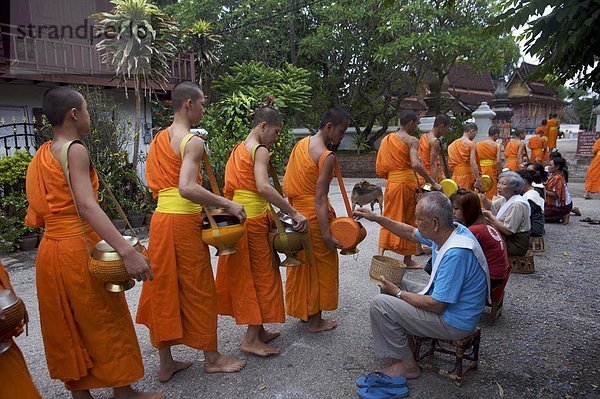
(346, 230)
(105, 263)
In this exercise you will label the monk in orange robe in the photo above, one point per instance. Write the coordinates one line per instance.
(398, 162)
(592, 176)
(553, 128)
(179, 306)
(515, 151)
(313, 287)
(544, 131)
(88, 334)
(249, 288)
(490, 162)
(15, 380)
(462, 158)
(430, 147)
(537, 145)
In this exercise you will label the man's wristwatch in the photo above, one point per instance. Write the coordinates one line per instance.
(399, 294)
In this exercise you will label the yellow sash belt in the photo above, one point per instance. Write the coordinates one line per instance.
(254, 204)
(402, 176)
(487, 162)
(170, 201)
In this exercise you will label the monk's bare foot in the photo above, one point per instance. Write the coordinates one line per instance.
(215, 362)
(81, 395)
(171, 368)
(268, 336)
(411, 264)
(405, 368)
(318, 324)
(128, 393)
(259, 348)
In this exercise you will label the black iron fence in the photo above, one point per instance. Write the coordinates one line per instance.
(22, 136)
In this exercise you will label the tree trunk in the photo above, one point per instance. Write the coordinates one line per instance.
(136, 133)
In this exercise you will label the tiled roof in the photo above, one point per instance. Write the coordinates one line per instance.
(464, 77)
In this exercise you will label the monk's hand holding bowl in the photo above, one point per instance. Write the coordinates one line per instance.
(331, 242)
(478, 184)
(300, 222)
(137, 265)
(235, 209)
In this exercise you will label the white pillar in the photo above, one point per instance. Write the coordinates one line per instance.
(483, 117)
(426, 123)
(596, 112)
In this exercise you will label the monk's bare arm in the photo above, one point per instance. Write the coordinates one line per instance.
(521, 153)
(79, 170)
(498, 157)
(473, 161)
(322, 203)
(417, 165)
(191, 190)
(434, 155)
(264, 187)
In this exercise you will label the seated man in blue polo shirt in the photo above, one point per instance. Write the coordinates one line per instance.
(448, 306)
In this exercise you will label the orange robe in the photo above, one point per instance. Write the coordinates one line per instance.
(542, 130)
(592, 176)
(486, 155)
(536, 145)
(552, 132)
(556, 184)
(313, 286)
(510, 153)
(89, 338)
(15, 380)
(179, 306)
(248, 287)
(459, 159)
(425, 156)
(393, 163)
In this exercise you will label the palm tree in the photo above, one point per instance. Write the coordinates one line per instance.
(205, 43)
(138, 42)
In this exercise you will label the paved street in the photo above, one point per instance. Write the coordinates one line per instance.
(544, 345)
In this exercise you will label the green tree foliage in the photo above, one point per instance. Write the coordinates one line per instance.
(565, 40)
(242, 91)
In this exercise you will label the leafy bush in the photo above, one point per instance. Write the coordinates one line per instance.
(242, 91)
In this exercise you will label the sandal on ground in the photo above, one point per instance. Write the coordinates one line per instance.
(594, 221)
(377, 378)
(586, 220)
(383, 393)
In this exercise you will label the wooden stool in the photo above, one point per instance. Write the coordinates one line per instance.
(537, 244)
(497, 296)
(458, 348)
(522, 264)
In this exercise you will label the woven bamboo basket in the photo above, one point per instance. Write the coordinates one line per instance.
(14, 313)
(108, 266)
(390, 268)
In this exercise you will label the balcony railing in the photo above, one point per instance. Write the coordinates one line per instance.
(25, 55)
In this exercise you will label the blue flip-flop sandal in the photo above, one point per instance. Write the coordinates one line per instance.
(377, 378)
(380, 392)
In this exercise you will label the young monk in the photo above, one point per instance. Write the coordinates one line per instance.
(88, 334)
(515, 151)
(398, 162)
(248, 287)
(490, 162)
(462, 158)
(537, 145)
(15, 380)
(179, 306)
(430, 147)
(592, 176)
(553, 128)
(313, 287)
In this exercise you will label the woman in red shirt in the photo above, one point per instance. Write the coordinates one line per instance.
(467, 211)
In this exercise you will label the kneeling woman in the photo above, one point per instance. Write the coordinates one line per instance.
(510, 213)
(558, 199)
(467, 211)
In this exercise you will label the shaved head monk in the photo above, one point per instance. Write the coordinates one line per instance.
(249, 288)
(88, 334)
(313, 287)
(15, 380)
(398, 162)
(430, 147)
(462, 158)
(179, 306)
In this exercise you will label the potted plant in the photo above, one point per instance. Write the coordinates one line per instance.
(28, 238)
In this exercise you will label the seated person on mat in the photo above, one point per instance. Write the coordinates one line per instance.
(510, 213)
(467, 211)
(449, 306)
